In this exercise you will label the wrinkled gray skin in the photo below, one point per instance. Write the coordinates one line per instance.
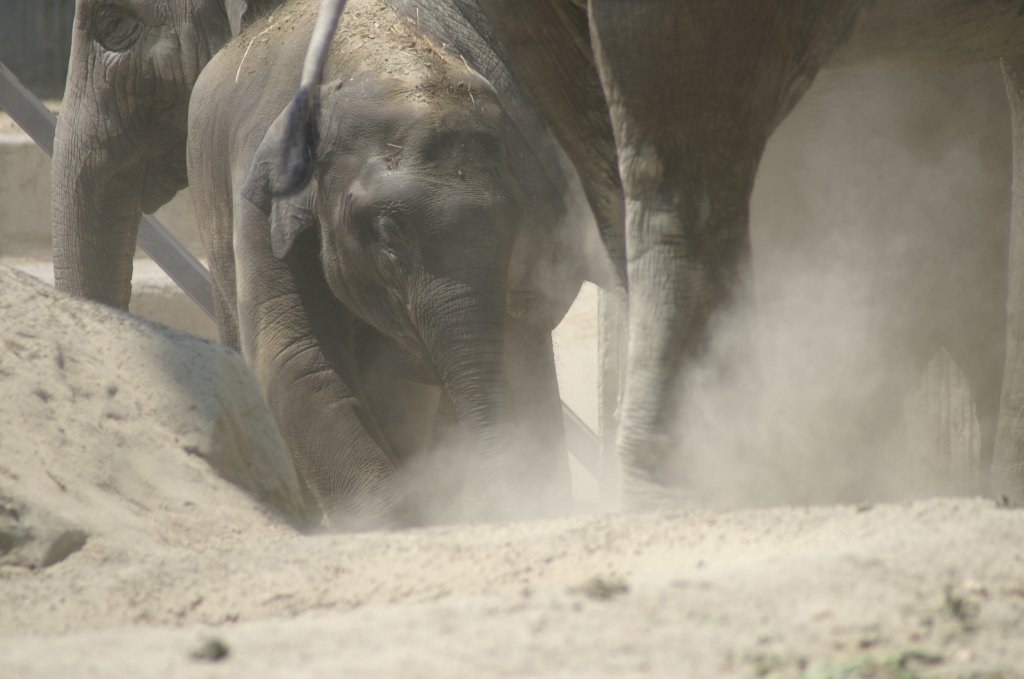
(665, 106)
(382, 286)
(685, 147)
(120, 149)
(120, 144)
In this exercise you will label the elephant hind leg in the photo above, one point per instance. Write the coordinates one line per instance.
(1008, 459)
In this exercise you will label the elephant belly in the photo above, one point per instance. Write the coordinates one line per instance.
(961, 31)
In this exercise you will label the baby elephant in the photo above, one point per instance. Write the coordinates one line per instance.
(375, 303)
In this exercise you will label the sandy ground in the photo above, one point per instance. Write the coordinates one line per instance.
(184, 575)
(926, 589)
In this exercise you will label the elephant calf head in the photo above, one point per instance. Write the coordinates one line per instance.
(417, 208)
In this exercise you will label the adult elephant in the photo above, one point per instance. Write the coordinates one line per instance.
(665, 107)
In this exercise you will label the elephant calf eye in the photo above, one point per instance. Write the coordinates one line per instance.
(386, 229)
(115, 27)
(389, 233)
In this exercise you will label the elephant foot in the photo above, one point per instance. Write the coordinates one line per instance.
(1007, 471)
(495, 504)
(1009, 494)
(490, 494)
(646, 475)
(1007, 482)
(641, 495)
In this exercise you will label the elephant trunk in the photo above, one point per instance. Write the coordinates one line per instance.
(96, 209)
(468, 349)
(120, 144)
(465, 340)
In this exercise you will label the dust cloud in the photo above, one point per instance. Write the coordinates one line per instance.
(880, 222)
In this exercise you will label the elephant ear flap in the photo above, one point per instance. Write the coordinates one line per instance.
(289, 216)
(236, 11)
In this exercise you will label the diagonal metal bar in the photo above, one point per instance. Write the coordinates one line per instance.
(187, 271)
(581, 441)
(27, 110)
(183, 268)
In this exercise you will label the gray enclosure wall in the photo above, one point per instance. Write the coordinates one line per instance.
(35, 42)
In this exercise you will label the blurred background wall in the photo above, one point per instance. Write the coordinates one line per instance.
(35, 42)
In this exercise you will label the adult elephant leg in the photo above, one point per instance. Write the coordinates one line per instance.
(694, 89)
(1008, 459)
(297, 339)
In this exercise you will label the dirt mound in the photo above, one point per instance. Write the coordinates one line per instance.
(106, 419)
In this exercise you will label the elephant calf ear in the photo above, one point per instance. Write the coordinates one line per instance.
(289, 215)
(295, 166)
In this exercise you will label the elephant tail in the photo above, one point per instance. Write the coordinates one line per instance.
(296, 162)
